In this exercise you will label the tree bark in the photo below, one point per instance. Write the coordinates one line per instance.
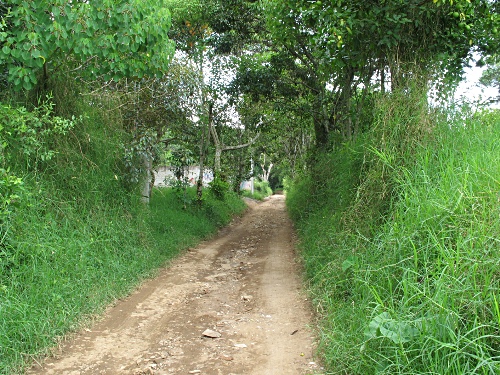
(266, 172)
(205, 140)
(146, 184)
(220, 148)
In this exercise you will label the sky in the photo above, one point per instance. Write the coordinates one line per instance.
(472, 90)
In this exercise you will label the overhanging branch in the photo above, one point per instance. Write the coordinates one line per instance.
(228, 148)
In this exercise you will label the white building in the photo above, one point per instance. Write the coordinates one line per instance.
(164, 176)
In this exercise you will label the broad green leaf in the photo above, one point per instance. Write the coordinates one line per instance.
(35, 32)
(398, 332)
(349, 262)
(27, 85)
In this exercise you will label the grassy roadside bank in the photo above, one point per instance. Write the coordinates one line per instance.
(73, 237)
(399, 233)
(70, 268)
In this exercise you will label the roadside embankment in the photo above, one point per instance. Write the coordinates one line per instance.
(399, 233)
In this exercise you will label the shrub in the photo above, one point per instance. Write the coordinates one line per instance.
(261, 190)
(219, 188)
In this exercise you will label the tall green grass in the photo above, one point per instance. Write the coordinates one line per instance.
(77, 239)
(400, 236)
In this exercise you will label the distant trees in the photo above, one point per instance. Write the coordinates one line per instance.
(157, 112)
(207, 32)
(491, 76)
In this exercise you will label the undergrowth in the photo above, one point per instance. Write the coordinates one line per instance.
(400, 238)
(73, 237)
(261, 190)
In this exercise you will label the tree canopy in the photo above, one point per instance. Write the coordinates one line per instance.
(341, 52)
(99, 39)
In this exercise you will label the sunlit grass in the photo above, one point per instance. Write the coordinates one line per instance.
(401, 242)
(78, 239)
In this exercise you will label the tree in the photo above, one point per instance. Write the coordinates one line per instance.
(337, 49)
(393, 32)
(157, 112)
(266, 167)
(205, 30)
(101, 39)
(191, 31)
(220, 146)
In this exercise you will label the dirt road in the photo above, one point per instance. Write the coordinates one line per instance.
(233, 305)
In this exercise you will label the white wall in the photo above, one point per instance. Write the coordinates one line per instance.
(163, 174)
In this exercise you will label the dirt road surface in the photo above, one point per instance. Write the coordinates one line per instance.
(233, 305)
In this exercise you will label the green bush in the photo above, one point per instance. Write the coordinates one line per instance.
(261, 190)
(26, 141)
(219, 188)
(399, 234)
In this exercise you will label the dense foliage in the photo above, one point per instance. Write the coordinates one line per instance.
(98, 39)
(260, 189)
(399, 237)
(395, 199)
(336, 54)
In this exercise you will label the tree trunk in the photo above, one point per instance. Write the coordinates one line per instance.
(205, 140)
(345, 103)
(217, 167)
(265, 172)
(396, 71)
(239, 175)
(199, 183)
(146, 184)
(220, 147)
(320, 130)
(382, 79)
